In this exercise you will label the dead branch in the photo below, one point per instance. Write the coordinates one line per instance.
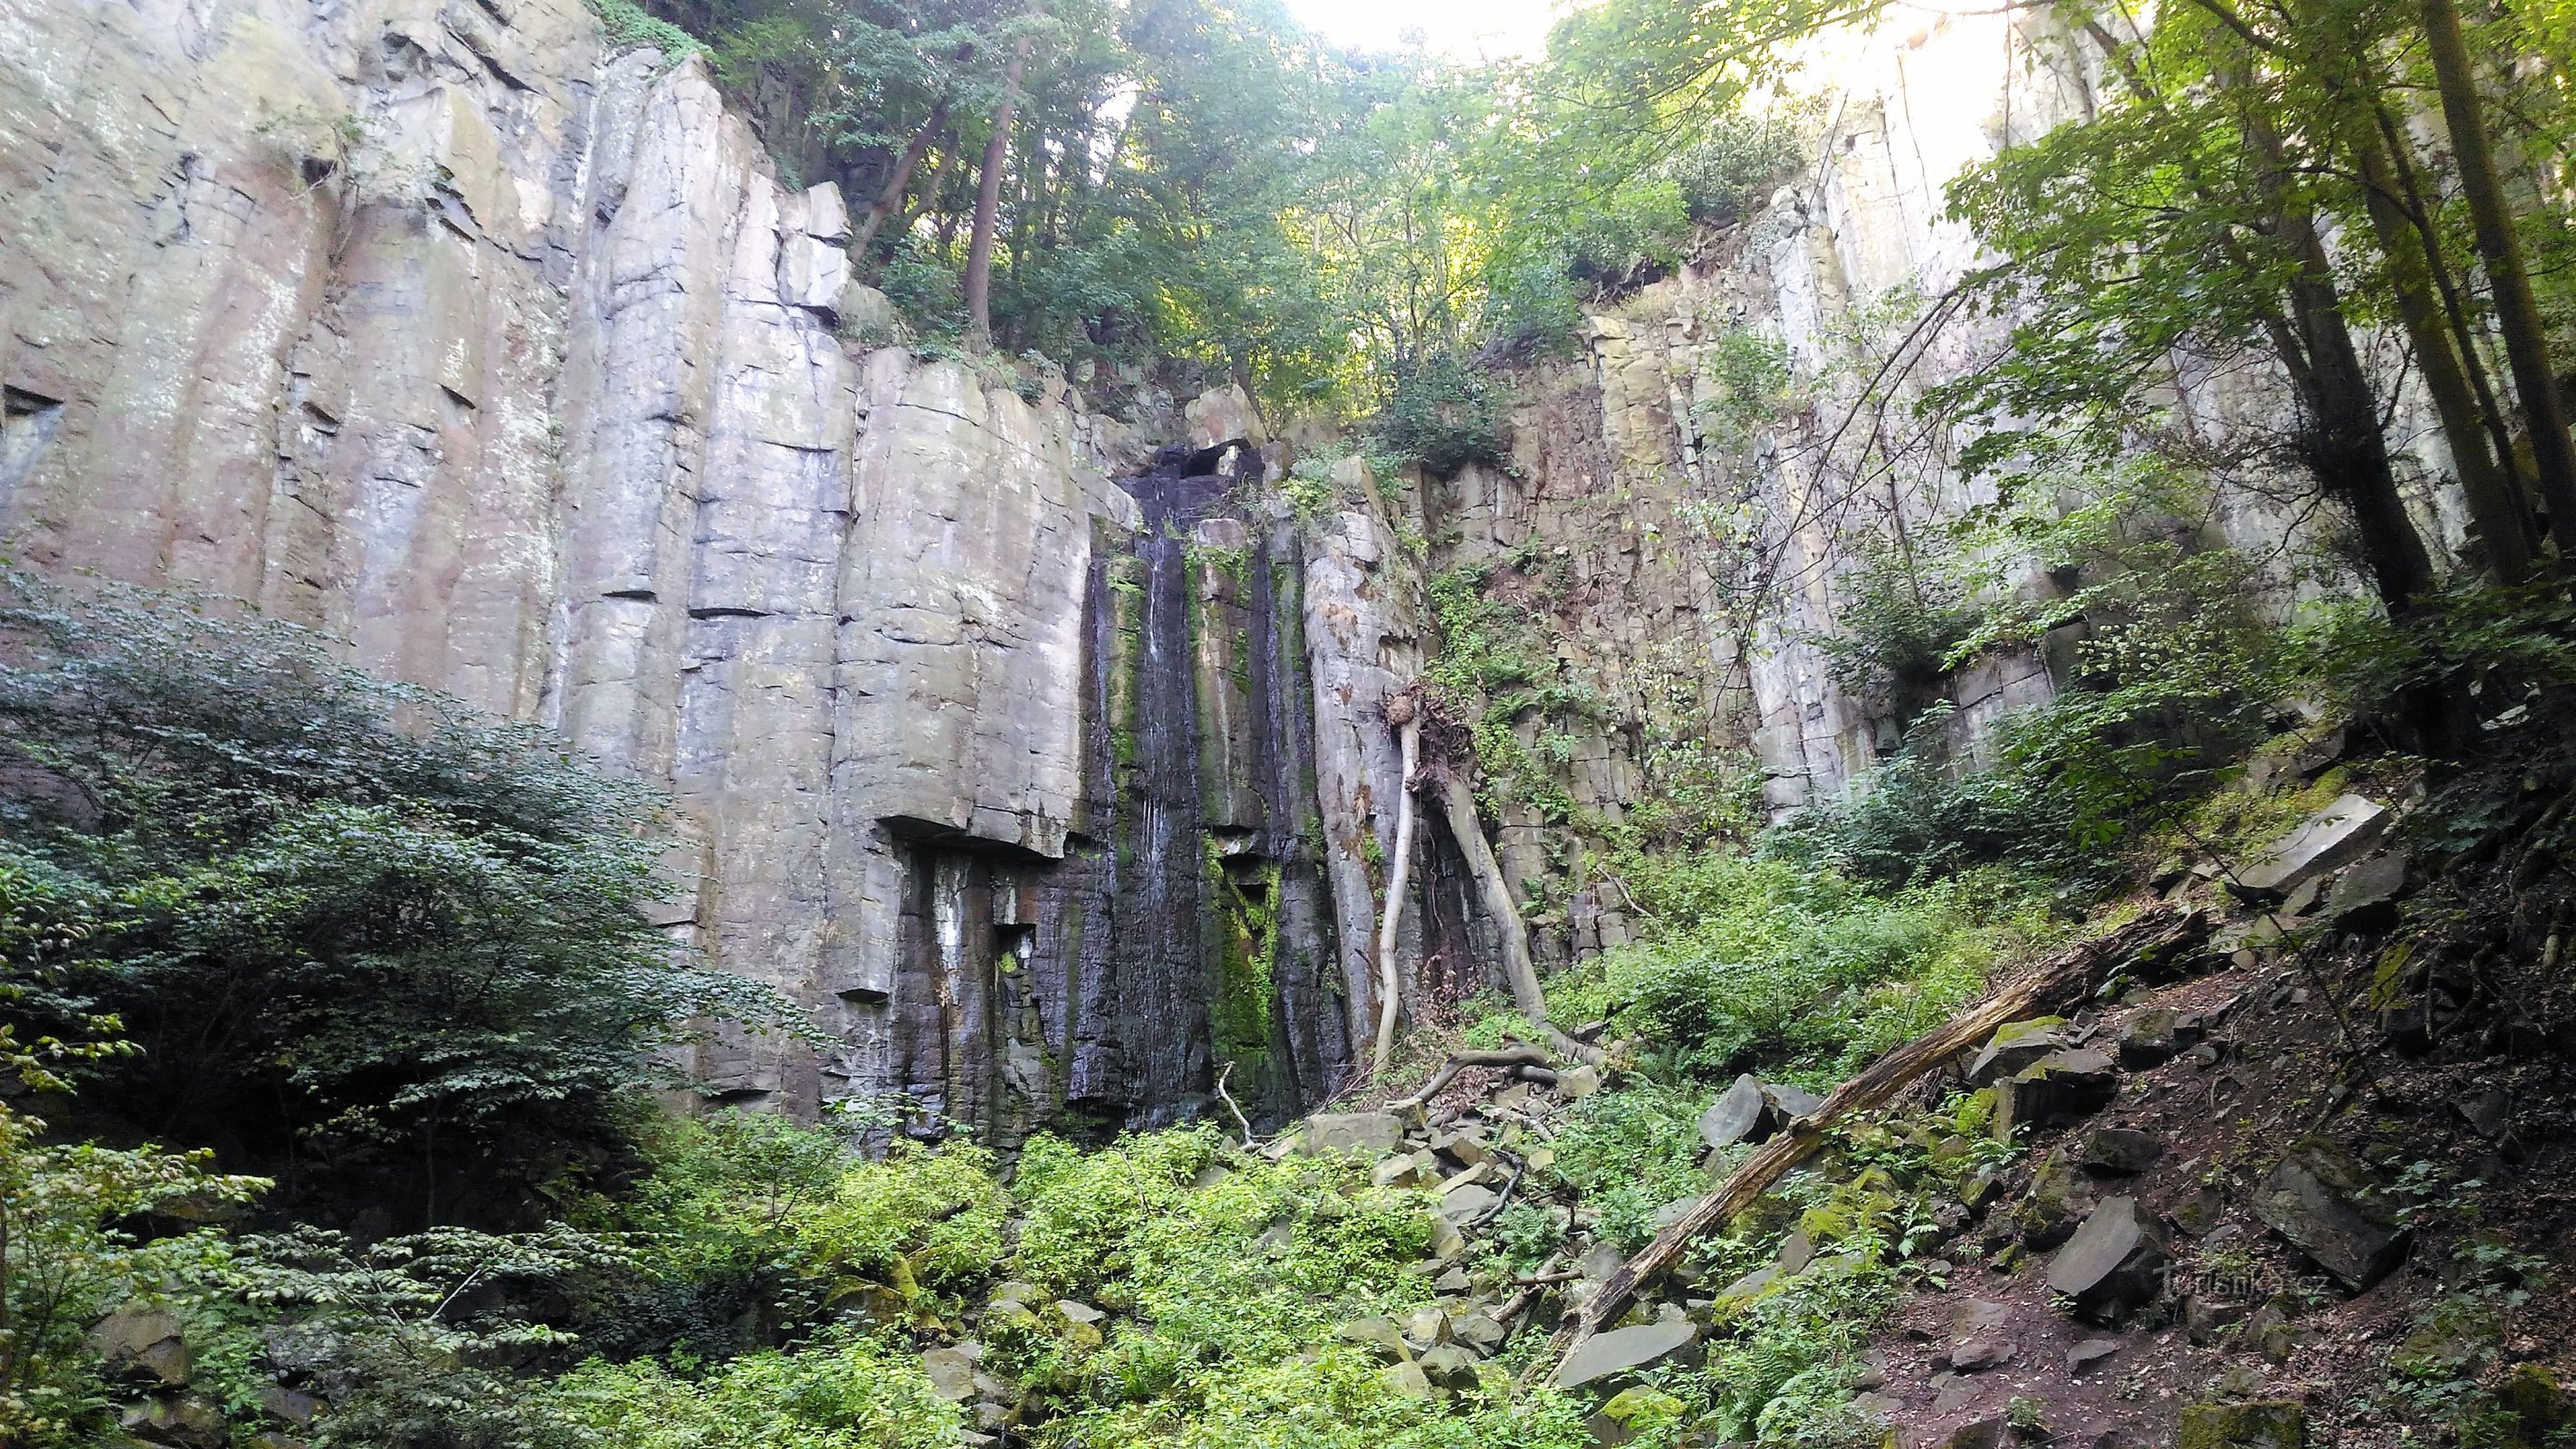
(1510, 1056)
(1228, 1098)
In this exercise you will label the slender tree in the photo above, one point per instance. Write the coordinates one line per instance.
(988, 196)
(2526, 342)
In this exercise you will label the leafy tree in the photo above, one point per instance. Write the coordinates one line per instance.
(347, 928)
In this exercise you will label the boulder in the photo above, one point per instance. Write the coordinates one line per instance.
(2268, 1424)
(1467, 1202)
(1078, 1312)
(2540, 1407)
(1979, 1354)
(1467, 1149)
(2486, 1109)
(2322, 1202)
(2121, 1151)
(2090, 1352)
(1449, 1366)
(1447, 1243)
(2152, 1037)
(1979, 1318)
(1480, 1331)
(2324, 841)
(1404, 1169)
(2206, 1320)
(146, 1342)
(1749, 1286)
(2055, 1205)
(182, 1421)
(1991, 1432)
(2016, 1045)
(951, 1372)
(290, 1405)
(1737, 1116)
(1408, 1379)
(1788, 1103)
(2064, 1086)
(2365, 897)
(1371, 1132)
(1380, 1334)
(2115, 1262)
(1623, 1349)
(1674, 1211)
(1581, 1082)
(1424, 1327)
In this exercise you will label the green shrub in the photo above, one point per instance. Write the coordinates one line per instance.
(842, 1391)
(1897, 626)
(1913, 820)
(1444, 413)
(351, 924)
(1722, 175)
(417, 1342)
(1761, 964)
(1630, 1152)
(752, 1225)
(629, 27)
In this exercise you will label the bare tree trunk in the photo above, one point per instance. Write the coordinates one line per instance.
(2465, 338)
(889, 198)
(1458, 805)
(2345, 447)
(2526, 343)
(2494, 503)
(1399, 871)
(988, 197)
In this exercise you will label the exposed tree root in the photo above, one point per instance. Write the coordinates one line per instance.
(1401, 713)
(2066, 976)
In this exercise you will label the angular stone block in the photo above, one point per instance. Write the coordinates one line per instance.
(2337, 834)
(2322, 1201)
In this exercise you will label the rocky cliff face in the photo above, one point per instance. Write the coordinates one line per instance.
(1689, 543)
(438, 326)
(1047, 769)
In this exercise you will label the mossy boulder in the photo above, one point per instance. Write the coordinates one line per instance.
(2263, 1424)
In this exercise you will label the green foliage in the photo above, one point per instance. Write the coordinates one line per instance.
(750, 1224)
(410, 1339)
(68, 1253)
(1445, 414)
(1918, 820)
(2495, 647)
(1897, 628)
(630, 27)
(1722, 174)
(2165, 673)
(1234, 1291)
(841, 1391)
(1631, 1152)
(335, 917)
(1759, 964)
(1749, 388)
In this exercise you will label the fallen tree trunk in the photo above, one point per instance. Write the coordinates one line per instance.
(1458, 805)
(2070, 974)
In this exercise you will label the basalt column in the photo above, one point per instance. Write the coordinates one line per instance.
(1182, 939)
